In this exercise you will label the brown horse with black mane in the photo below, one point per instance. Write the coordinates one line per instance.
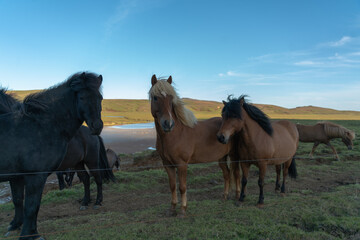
(259, 142)
(322, 133)
(181, 139)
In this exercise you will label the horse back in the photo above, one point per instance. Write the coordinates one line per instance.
(312, 133)
(286, 138)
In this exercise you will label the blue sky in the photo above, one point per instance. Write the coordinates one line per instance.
(286, 53)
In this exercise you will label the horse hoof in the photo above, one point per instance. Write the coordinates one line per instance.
(82, 208)
(171, 213)
(7, 234)
(96, 207)
(260, 205)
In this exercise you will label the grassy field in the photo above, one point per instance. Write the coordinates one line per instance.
(322, 203)
(125, 111)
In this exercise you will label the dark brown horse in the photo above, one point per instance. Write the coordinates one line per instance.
(87, 149)
(322, 133)
(258, 141)
(34, 137)
(182, 140)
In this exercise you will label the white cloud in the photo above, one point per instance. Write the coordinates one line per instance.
(344, 40)
(307, 63)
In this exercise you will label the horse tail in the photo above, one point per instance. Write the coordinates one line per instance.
(106, 171)
(292, 169)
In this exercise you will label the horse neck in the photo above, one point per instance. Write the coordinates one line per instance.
(334, 131)
(250, 132)
(61, 114)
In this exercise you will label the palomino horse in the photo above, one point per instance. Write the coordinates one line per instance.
(182, 140)
(34, 137)
(86, 149)
(258, 142)
(323, 133)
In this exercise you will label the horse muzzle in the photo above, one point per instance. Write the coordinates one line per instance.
(167, 126)
(96, 127)
(221, 138)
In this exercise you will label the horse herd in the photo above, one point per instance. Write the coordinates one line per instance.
(44, 133)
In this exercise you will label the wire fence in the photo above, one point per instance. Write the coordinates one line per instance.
(271, 160)
(164, 219)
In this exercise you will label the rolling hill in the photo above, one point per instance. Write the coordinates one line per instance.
(125, 111)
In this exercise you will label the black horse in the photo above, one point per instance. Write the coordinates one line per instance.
(34, 137)
(86, 149)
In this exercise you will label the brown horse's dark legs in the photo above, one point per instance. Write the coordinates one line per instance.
(334, 151)
(17, 192)
(285, 173)
(182, 173)
(313, 149)
(172, 182)
(262, 171)
(85, 178)
(278, 172)
(236, 168)
(98, 181)
(226, 174)
(245, 170)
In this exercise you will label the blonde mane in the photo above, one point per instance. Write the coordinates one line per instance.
(163, 88)
(335, 130)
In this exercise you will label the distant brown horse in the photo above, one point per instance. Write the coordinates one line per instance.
(323, 133)
(182, 140)
(258, 142)
(113, 159)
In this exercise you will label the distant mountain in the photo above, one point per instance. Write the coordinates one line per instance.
(123, 111)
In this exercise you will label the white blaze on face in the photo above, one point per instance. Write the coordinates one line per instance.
(163, 93)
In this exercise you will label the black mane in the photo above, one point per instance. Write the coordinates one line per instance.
(38, 102)
(232, 109)
(7, 102)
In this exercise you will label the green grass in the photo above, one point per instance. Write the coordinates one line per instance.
(323, 203)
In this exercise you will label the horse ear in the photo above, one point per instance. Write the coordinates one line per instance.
(242, 101)
(153, 80)
(169, 79)
(100, 79)
(224, 102)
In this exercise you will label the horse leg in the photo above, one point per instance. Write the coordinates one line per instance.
(262, 171)
(313, 149)
(17, 192)
(334, 151)
(278, 172)
(236, 169)
(285, 173)
(60, 178)
(98, 182)
(172, 182)
(182, 173)
(245, 171)
(224, 167)
(34, 186)
(69, 178)
(85, 178)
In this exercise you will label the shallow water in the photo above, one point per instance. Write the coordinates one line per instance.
(136, 126)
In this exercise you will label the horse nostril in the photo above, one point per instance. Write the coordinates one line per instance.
(221, 138)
